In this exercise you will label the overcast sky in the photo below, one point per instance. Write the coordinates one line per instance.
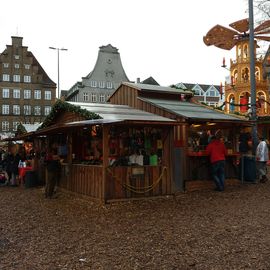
(158, 38)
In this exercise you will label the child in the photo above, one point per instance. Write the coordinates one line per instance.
(3, 177)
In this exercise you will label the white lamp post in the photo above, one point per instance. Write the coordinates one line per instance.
(58, 65)
(252, 75)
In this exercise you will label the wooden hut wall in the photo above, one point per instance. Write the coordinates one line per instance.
(82, 179)
(179, 131)
(125, 95)
(145, 106)
(68, 117)
(125, 182)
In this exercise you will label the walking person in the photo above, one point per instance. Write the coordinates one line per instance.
(217, 152)
(15, 170)
(53, 165)
(261, 159)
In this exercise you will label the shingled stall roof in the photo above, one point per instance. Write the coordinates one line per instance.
(120, 112)
(158, 89)
(109, 114)
(193, 111)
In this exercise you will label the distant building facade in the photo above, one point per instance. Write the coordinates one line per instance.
(27, 92)
(208, 94)
(102, 81)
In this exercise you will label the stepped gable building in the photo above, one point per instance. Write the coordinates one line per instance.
(208, 94)
(27, 92)
(99, 84)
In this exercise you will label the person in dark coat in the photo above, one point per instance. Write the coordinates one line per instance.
(53, 166)
(8, 159)
(14, 168)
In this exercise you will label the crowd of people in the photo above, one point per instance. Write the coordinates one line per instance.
(11, 160)
(217, 154)
(16, 157)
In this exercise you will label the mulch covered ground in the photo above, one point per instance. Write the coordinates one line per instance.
(198, 230)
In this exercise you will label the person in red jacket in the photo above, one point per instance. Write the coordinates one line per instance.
(217, 152)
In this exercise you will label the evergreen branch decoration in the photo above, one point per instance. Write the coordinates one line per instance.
(62, 106)
(183, 89)
(21, 129)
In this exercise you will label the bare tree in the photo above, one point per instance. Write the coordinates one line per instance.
(262, 9)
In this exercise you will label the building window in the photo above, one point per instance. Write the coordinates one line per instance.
(5, 93)
(214, 104)
(5, 109)
(47, 110)
(16, 93)
(16, 56)
(48, 95)
(85, 96)
(109, 85)
(212, 93)
(16, 109)
(27, 94)
(27, 66)
(5, 126)
(93, 83)
(5, 65)
(6, 77)
(102, 98)
(101, 84)
(27, 79)
(15, 126)
(198, 91)
(108, 96)
(93, 97)
(26, 109)
(17, 66)
(37, 94)
(16, 78)
(37, 110)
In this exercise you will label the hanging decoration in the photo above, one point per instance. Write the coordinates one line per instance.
(61, 106)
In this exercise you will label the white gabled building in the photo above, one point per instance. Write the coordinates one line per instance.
(101, 82)
(208, 94)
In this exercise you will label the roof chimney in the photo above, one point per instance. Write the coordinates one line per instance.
(17, 41)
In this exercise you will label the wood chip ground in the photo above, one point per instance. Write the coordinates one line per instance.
(197, 230)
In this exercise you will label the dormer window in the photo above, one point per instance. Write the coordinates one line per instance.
(109, 85)
(198, 91)
(101, 84)
(93, 83)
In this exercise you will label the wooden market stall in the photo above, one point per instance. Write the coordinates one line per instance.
(193, 121)
(118, 153)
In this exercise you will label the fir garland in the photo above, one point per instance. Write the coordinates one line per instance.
(62, 106)
(21, 129)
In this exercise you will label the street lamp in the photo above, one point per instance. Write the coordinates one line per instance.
(252, 75)
(58, 73)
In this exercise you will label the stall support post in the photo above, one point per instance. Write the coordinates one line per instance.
(35, 162)
(252, 77)
(105, 146)
(69, 145)
(185, 161)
